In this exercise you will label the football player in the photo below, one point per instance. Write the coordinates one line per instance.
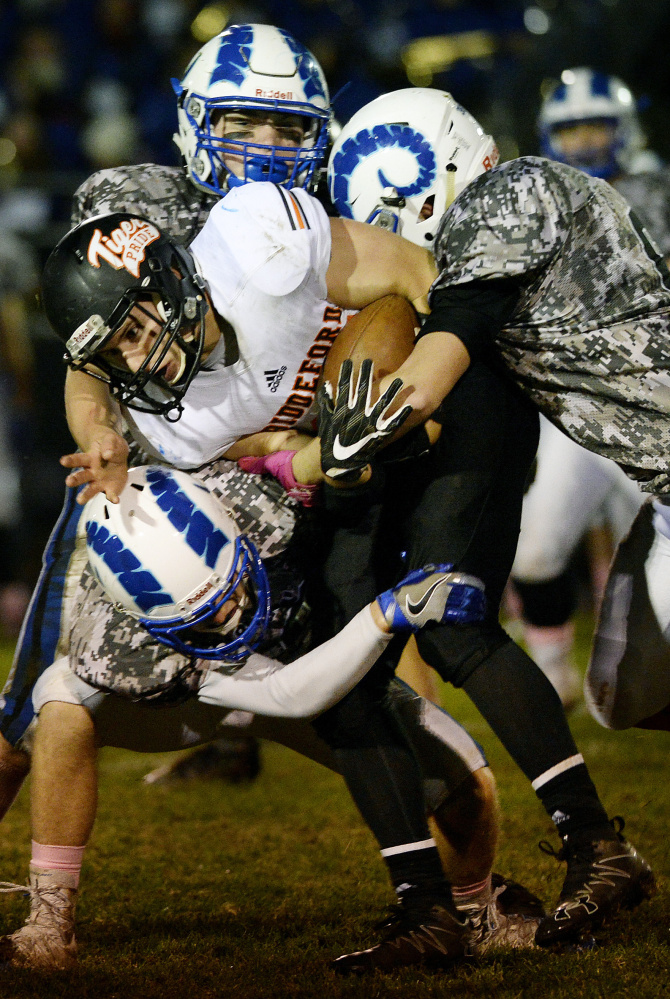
(588, 120)
(540, 267)
(206, 360)
(246, 70)
(185, 613)
(176, 199)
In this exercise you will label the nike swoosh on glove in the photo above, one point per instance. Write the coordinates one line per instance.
(351, 427)
(434, 594)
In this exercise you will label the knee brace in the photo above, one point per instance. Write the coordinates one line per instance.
(549, 603)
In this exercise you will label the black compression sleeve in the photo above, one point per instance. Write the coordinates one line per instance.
(474, 312)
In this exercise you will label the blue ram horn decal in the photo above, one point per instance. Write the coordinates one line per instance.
(369, 141)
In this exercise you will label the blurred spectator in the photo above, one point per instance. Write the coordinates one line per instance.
(18, 279)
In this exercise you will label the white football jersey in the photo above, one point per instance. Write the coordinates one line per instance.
(264, 252)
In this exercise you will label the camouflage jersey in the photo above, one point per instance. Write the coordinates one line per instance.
(648, 194)
(589, 336)
(162, 194)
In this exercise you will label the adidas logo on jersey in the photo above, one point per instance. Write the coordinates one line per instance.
(274, 377)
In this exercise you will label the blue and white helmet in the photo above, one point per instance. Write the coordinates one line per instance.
(585, 95)
(251, 67)
(402, 159)
(170, 555)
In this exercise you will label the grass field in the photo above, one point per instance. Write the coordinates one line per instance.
(208, 890)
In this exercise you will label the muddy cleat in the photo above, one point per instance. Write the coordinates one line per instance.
(436, 938)
(515, 899)
(47, 940)
(234, 761)
(509, 919)
(603, 876)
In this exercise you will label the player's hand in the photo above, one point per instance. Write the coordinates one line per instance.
(351, 427)
(101, 469)
(434, 594)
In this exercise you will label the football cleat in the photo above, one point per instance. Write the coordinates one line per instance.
(433, 594)
(435, 938)
(508, 920)
(516, 900)
(47, 940)
(603, 876)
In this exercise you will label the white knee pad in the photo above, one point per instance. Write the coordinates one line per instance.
(657, 567)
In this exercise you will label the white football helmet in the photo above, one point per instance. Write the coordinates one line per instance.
(170, 555)
(402, 159)
(586, 95)
(251, 67)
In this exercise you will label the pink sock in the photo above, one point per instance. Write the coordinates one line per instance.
(58, 858)
(478, 892)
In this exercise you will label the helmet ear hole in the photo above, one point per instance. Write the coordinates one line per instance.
(427, 207)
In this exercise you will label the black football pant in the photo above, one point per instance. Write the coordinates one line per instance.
(461, 504)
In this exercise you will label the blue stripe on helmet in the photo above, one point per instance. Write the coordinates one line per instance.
(142, 585)
(600, 85)
(200, 534)
(232, 60)
(307, 68)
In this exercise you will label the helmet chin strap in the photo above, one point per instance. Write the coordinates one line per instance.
(182, 367)
(451, 184)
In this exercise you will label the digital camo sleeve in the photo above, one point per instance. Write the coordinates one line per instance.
(309, 685)
(507, 223)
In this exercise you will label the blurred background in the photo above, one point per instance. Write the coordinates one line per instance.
(86, 85)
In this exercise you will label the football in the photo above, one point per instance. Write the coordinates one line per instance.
(383, 331)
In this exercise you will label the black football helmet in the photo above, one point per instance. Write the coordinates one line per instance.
(98, 272)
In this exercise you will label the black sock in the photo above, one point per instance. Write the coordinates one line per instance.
(572, 803)
(526, 714)
(418, 877)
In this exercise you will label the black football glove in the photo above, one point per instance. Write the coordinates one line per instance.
(352, 428)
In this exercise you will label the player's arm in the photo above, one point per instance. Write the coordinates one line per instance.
(321, 678)
(94, 421)
(294, 459)
(367, 263)
(462, 326)
(428, 375)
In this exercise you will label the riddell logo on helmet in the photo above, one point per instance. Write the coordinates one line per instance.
(124, 246)
(275, 95)
(201, 592)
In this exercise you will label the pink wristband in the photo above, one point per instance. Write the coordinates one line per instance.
(279, 464)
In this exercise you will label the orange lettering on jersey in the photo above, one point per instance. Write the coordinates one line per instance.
(303, 391)
(301, 385)
(490, 161)
(124, 246)
(309, 367)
